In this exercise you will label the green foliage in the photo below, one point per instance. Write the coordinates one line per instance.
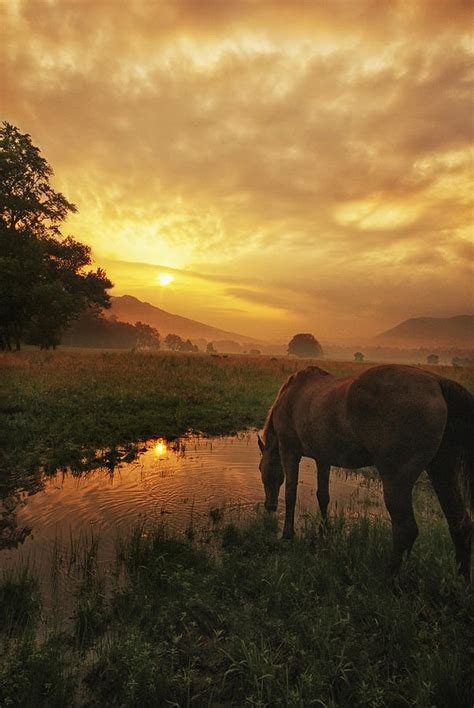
(28, 203)
(258, 622)
(19, 601)
(37, 673)
(43, 282)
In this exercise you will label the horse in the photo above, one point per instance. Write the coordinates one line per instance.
(400, 419)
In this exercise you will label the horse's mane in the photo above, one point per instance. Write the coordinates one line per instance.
(296, 378)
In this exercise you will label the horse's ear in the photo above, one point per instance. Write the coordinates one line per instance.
(261, 444)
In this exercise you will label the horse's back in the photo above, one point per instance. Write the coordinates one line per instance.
(312, 413)
(399, 413)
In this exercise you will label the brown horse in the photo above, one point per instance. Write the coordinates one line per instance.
(401, 419)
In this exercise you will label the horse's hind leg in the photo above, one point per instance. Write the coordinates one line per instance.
(397, 490)
(323, 488)
(442, 472)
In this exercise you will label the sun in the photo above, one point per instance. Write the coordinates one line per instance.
(165, 279)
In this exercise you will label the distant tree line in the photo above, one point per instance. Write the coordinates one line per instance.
(91, 329)
(45, 279)
(459, 361)
(176, 344)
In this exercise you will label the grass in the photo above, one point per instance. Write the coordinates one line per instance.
(59, 408)
(252, 620)
(260, 623)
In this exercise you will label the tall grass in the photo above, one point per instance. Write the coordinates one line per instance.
(263, 623)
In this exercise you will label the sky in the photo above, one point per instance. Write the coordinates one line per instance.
(294, 165)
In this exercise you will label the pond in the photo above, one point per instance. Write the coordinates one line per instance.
(195, 482)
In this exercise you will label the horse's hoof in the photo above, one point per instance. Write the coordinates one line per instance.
(287, 536)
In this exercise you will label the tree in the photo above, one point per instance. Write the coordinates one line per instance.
(432, 359)
(305, 345)
(228, 345)
(43, 282)
(91, 329)
(63, 290)
(210, 348)
(173, 342)
(188, 346)
(358, 356)
(147, 336)
(28, 204)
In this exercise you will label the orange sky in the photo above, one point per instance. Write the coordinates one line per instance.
(296, 165)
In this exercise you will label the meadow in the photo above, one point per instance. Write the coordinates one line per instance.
(244, 619)
(60, 408)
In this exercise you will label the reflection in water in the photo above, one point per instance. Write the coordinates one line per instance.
(174, 482)
(12, 534)
(161, 449)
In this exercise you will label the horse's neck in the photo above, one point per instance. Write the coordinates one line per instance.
(270, 434)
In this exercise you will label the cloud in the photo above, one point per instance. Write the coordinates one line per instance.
(266, 297)
(259, 142)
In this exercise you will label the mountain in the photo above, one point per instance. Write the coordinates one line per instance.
(431, 331)
(129, 309)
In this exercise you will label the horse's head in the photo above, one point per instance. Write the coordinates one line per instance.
(271, 471)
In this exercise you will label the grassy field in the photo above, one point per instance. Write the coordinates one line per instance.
(59, 408)
(248, 621)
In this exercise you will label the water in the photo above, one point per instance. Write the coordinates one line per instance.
(176, 484)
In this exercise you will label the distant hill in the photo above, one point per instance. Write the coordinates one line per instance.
(130, 309)
(431, 331)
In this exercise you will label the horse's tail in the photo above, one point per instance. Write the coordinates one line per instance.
(459, 432)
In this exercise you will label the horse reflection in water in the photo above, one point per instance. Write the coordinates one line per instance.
(401, 419)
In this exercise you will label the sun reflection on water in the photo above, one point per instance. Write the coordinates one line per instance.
(161, 449)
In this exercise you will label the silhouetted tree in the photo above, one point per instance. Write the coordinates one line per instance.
(358, 356)
(173, 342)
(91, 329)
(210, 348)
(432, 359)
(147, 336)
(228, 345)
(188, 346)
(64, 290)
(43, 281)
(305, 345)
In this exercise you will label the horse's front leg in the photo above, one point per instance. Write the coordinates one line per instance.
(323, 488)
(290, 461)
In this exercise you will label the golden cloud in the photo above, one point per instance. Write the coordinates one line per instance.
(316, 154)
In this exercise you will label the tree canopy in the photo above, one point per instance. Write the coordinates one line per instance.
(91, 329)
(45, 283)
(305, 345)
(176, 344)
